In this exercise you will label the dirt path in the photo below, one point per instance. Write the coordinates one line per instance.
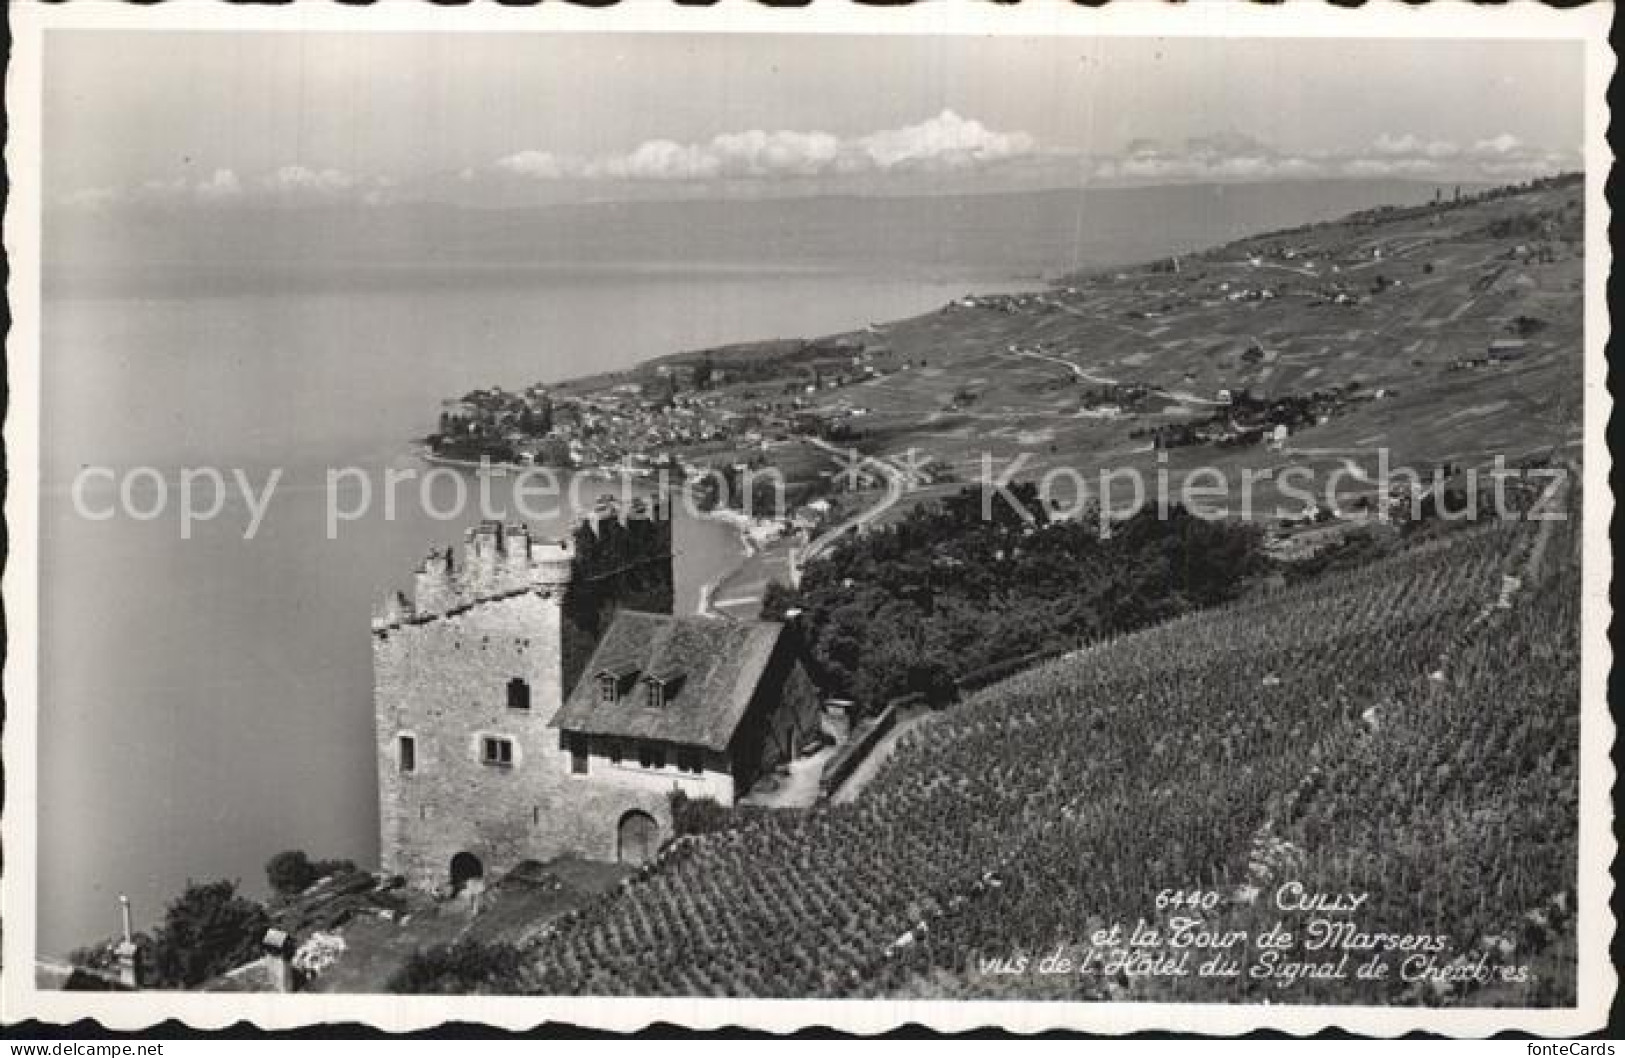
(800, 788)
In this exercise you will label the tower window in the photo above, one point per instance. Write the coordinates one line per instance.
(407, 754)
(578, 755)
(518, 694)
(497, 751)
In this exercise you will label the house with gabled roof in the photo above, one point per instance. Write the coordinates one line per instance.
(695, 704)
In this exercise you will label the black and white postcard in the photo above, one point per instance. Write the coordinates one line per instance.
(973, 515)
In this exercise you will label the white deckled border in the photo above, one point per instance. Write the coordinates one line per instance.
(31, 25)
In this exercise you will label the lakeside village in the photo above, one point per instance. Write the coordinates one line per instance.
(699, 422)
(702, 424)
(707, 425)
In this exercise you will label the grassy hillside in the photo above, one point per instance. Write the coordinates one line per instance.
(1402, 305)
(1371, 332)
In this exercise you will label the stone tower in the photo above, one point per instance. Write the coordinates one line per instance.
(467, 675)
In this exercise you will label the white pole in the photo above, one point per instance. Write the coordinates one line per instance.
(124, 913)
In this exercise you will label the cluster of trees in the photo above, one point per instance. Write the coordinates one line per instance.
(1247, 416)
(619, 563)
(292, 872)
(209, 929)
(212, 927)
(483, 432)
(466, 967)
(945, 593)
(1526, 326)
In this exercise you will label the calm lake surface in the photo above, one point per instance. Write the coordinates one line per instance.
(206, 702)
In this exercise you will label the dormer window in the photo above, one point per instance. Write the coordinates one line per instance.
(612, 680)
(659, 688)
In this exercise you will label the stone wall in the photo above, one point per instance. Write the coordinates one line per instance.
(715, 779)
(784, 714)
(444, 682)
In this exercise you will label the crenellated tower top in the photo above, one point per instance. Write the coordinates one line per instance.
(498, 561)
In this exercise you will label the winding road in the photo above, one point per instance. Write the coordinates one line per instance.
(1101, 380)
(896, 483)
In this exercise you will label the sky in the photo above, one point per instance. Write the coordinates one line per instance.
(219, 118)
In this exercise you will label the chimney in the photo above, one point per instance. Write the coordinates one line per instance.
(482, 554)
(434, 589)
(552, 566)
(397, 608)
(279, 959)
(516, 556)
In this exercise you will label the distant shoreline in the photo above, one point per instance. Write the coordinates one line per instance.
(606, 473)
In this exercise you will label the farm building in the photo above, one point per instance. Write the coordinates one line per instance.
(1503, 349)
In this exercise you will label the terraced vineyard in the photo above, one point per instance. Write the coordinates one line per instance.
(1387, 728)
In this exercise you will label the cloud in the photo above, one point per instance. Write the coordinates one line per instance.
(1389, 145)
(298, 180)
(222, 185)
(1233, 157)
(947, 142)
(1502, 145)
(218, 187)
(542, 165)
(947, 149)
(285, 185)
(1227, 157)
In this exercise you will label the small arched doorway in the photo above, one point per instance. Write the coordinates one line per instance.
(637, 838)
(465, 867)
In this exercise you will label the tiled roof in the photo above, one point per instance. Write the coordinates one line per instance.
(712, 668)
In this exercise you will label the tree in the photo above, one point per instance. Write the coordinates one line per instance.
(210, 929)
(468, 966)
(778, 598)
(554, 452)
(703, 371)
(537, 421)
(698, 815)
(290, 872)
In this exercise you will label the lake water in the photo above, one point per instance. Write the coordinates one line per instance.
(205, 702)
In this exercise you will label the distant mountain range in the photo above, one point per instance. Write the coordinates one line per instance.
(1016, 235)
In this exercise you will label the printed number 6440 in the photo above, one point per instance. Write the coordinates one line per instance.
(1187, 900)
